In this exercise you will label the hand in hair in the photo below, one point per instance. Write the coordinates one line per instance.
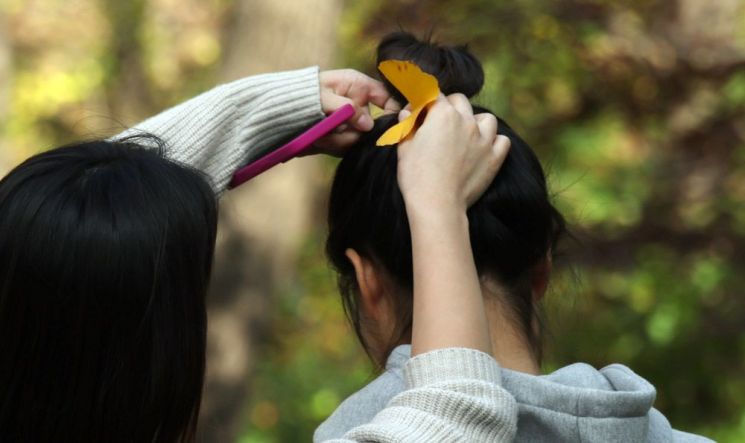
(442, 170)
(452, 158)
(342, 86)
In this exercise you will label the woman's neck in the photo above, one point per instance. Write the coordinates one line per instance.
(509, 345)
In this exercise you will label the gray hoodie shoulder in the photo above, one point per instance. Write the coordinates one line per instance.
(362, 406)
(577, 403)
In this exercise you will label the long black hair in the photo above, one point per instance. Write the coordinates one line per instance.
(105, 256)
(513, 226)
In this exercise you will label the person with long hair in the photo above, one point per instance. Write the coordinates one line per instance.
(513, 229)
(106, 251)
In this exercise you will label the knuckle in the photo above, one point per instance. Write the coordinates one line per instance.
(449, 113)
(489, 118)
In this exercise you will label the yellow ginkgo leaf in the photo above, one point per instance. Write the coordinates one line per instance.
(397, 133)
(419, 88)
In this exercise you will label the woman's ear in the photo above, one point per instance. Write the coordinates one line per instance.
(541, 275)
(372, 296)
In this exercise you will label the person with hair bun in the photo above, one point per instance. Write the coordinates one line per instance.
(514, 229)
(106, 251)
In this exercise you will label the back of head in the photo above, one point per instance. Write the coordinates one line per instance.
(513, 226)
(105, 255)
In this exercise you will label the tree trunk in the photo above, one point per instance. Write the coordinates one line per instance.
(264, 222)
(126, 90)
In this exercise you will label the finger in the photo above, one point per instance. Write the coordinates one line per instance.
(331, 101)
(487, 124)
(501, 148)
(377, 94)
(405, 112)
(362, 120)
(341, 128)
(461, 104)
(391, 105)
(438, 110)
(364, 90)
(488, 168)
(337, 144)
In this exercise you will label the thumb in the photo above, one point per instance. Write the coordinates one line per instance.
(403, 114)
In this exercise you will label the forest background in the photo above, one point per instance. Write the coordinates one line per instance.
(636, 107)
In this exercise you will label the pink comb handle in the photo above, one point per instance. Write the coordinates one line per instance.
(294, 147)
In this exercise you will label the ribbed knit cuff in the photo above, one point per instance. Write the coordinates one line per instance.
(490, 414)
(289, 102)
(451, 364)
(453, 395)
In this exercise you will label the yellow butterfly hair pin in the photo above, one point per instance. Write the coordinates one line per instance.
(419, 88)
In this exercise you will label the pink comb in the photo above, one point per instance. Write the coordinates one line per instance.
(294, 147)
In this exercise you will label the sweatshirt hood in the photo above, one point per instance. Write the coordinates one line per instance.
(582, 391)
(581, 403)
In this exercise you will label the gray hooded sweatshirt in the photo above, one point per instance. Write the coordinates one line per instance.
(577, 403)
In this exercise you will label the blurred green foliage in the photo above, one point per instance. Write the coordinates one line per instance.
(312, 359)
(643, 136)
(635, 108)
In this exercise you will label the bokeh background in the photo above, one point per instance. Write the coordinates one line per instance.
(636, 108)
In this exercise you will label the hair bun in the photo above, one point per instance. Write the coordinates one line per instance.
(456, 69)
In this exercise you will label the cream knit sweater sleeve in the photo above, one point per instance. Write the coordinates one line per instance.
(226, 127)
(453, 395)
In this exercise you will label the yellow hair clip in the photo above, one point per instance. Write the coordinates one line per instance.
(419, 88)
